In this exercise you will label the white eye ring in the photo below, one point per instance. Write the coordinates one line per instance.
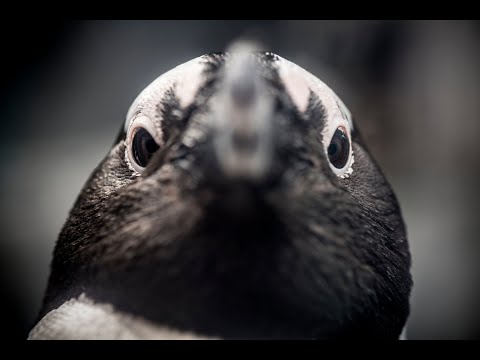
(140, 122)
(339, 123)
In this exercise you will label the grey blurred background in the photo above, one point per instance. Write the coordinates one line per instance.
(413, 87)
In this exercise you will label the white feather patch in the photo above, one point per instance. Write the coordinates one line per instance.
(83, 319)
(186, 79)
(299, 82)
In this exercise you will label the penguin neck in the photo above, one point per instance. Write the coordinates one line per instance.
(81, 318)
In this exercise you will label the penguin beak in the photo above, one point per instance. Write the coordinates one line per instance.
(242, 119)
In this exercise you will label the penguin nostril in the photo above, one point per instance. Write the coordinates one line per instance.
(245, 143)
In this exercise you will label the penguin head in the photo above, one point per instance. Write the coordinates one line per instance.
(239, 201)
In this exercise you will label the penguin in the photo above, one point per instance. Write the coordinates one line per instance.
(238, 201)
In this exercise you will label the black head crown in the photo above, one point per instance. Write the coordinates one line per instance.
(239, 201)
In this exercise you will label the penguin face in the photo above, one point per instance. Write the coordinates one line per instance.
(239, 201)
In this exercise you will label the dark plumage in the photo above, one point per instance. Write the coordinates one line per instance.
(239, 227)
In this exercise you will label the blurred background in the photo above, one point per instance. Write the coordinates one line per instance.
(413, 87)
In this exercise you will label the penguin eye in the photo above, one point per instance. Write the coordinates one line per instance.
(143, 147)
(339, 148)
(140, 143)
(339, 152)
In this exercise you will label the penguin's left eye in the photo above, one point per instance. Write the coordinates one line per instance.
(143, 147)
(339, 151)
(141, 144)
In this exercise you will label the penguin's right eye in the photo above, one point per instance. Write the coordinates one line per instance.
(140, 144)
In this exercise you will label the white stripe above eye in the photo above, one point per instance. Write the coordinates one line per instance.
(299, 82)
(186, 79)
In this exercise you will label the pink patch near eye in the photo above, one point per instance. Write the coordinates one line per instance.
(297, 89)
